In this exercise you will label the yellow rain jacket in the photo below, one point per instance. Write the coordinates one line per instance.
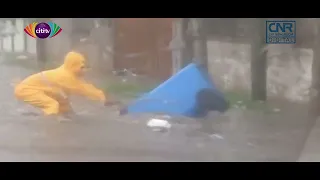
(49, 89)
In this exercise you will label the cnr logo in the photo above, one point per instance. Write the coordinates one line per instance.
(282, 26)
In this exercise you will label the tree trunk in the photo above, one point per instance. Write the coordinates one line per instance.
(13, 22)
(177, 45)
(25, 39)
(41, 49)
(199, 42)
(188, 49)
(80, 33)
(315, 87)
(1, 44)
(41, 53)
(258, 63)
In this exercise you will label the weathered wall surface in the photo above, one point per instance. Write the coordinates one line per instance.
(99, 43)
(18, 39)
(289, 70)
(58, 46)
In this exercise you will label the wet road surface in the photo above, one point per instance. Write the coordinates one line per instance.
(101, 135)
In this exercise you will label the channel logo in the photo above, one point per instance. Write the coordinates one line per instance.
(42, 30)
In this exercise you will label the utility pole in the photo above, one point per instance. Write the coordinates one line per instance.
(25, 39)
(41, 49)
(258, 62)
(80, 33)
(315, 86)
(177, 45)
(2, 26)
(188, 49)
(199, 42)
(13, 24)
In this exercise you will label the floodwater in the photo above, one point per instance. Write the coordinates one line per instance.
(99, 134)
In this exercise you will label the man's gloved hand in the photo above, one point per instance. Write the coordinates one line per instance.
(121, 108)
(123, 111)
(112, 103)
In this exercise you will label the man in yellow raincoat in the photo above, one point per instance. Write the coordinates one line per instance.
(49, 90)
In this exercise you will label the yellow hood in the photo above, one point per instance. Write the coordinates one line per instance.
(74, 63)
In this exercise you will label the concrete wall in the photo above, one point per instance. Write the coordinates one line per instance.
(18, 39)
(289, 69)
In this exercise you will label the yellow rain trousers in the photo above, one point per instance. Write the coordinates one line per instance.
(48, 90)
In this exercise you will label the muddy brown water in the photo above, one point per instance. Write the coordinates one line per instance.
(101, 135)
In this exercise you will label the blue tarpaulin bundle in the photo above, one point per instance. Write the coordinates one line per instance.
(190, 93)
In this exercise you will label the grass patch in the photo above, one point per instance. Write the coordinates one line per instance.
(243, 100)
(237, 99)
(129, 90)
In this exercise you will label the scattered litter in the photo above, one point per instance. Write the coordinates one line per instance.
(216, 136)
(235, 106)
(159, 129)
(22, 57)
(63, 119)
(158, 123)
(124, 80)
(166, 117)
(276, 110)
(83, 39)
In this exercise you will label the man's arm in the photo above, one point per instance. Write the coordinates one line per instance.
(83, 88)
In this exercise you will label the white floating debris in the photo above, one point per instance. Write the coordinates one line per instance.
(276, 110)
(83, 39)
(124, 80)
(216, 136)
(22, 57)
(158, 123)
(235, 106)
(239, 102)
(157, 129)
(166, 116)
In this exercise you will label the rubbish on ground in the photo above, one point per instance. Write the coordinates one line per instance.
(216, 136)
(165, 117)
(158, 123)
(276, 110)
(235, 106)
(22, 57)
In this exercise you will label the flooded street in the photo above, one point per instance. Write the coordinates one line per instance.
(101, 135)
